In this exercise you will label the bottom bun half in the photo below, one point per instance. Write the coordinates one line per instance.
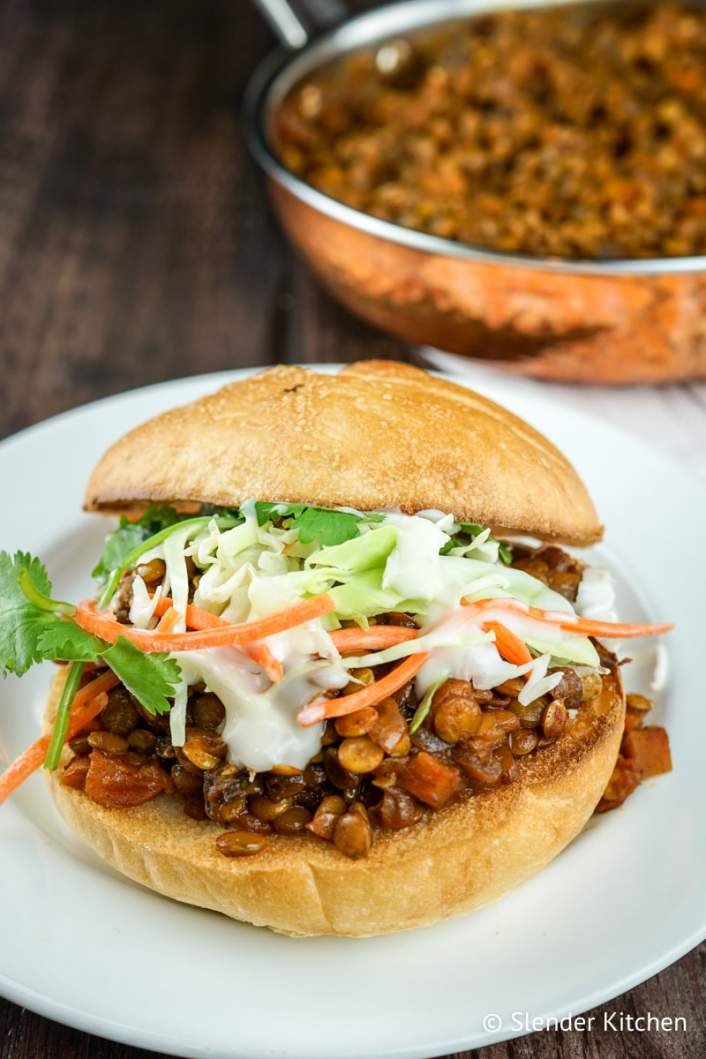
(450, 862)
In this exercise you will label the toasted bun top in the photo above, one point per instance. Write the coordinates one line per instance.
(379, 434)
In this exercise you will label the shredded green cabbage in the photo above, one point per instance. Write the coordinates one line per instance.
(367, 552)
(245, 560)
(420, 714)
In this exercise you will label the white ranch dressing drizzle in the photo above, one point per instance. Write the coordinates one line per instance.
(261, 728)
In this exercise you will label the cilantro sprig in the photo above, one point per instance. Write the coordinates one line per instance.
(325, 526)
(60, 727)
(36, 628)
(33, 627)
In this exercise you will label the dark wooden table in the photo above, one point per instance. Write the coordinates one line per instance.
(136, 245)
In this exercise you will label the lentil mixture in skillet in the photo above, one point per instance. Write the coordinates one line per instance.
(575, 131)
(376, 746)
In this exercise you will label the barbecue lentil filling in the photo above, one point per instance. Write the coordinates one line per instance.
(370, 773)
(573, 132)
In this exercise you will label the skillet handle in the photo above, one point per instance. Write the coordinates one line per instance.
(294, 21)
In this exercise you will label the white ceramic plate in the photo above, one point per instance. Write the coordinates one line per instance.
(82, 945)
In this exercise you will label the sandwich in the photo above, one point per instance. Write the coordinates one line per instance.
(340, 674)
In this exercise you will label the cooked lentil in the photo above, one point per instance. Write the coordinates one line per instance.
(575, 131)
(120, 715)
(239, 844)
(358, 723)
(266, 809)
(353, 834)
(108, 742)
(523, 741)
(143, 740)
(360, 755)
(80, 745)
(292, 821)
(152, 571)
(326, 816)
(554, 719)
(207, 711)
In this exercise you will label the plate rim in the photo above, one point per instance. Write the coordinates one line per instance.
(78, 1019)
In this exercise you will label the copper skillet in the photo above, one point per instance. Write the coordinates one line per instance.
(614, 321)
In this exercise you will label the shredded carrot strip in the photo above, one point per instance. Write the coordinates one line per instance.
(87, 704)
(510, 647)
(107, 628)
(260, 653)
(368, 696)
(571, 623)
(196, 618)
(377, 637)
(168, 620)
(199, 619)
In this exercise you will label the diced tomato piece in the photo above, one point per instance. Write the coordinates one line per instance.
(625, 779)
(429, 780)
(74, 775)
(648, 748)
(633, 719)
(118, 784)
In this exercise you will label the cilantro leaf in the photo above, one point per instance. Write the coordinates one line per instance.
(223, 512)
(157, 517)
(21, 622)
(151, 678)
(62, 641)
(326, 526)
(34, 567)
(117, 547)
(273, 512)
(471, 529)
(128, 535)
